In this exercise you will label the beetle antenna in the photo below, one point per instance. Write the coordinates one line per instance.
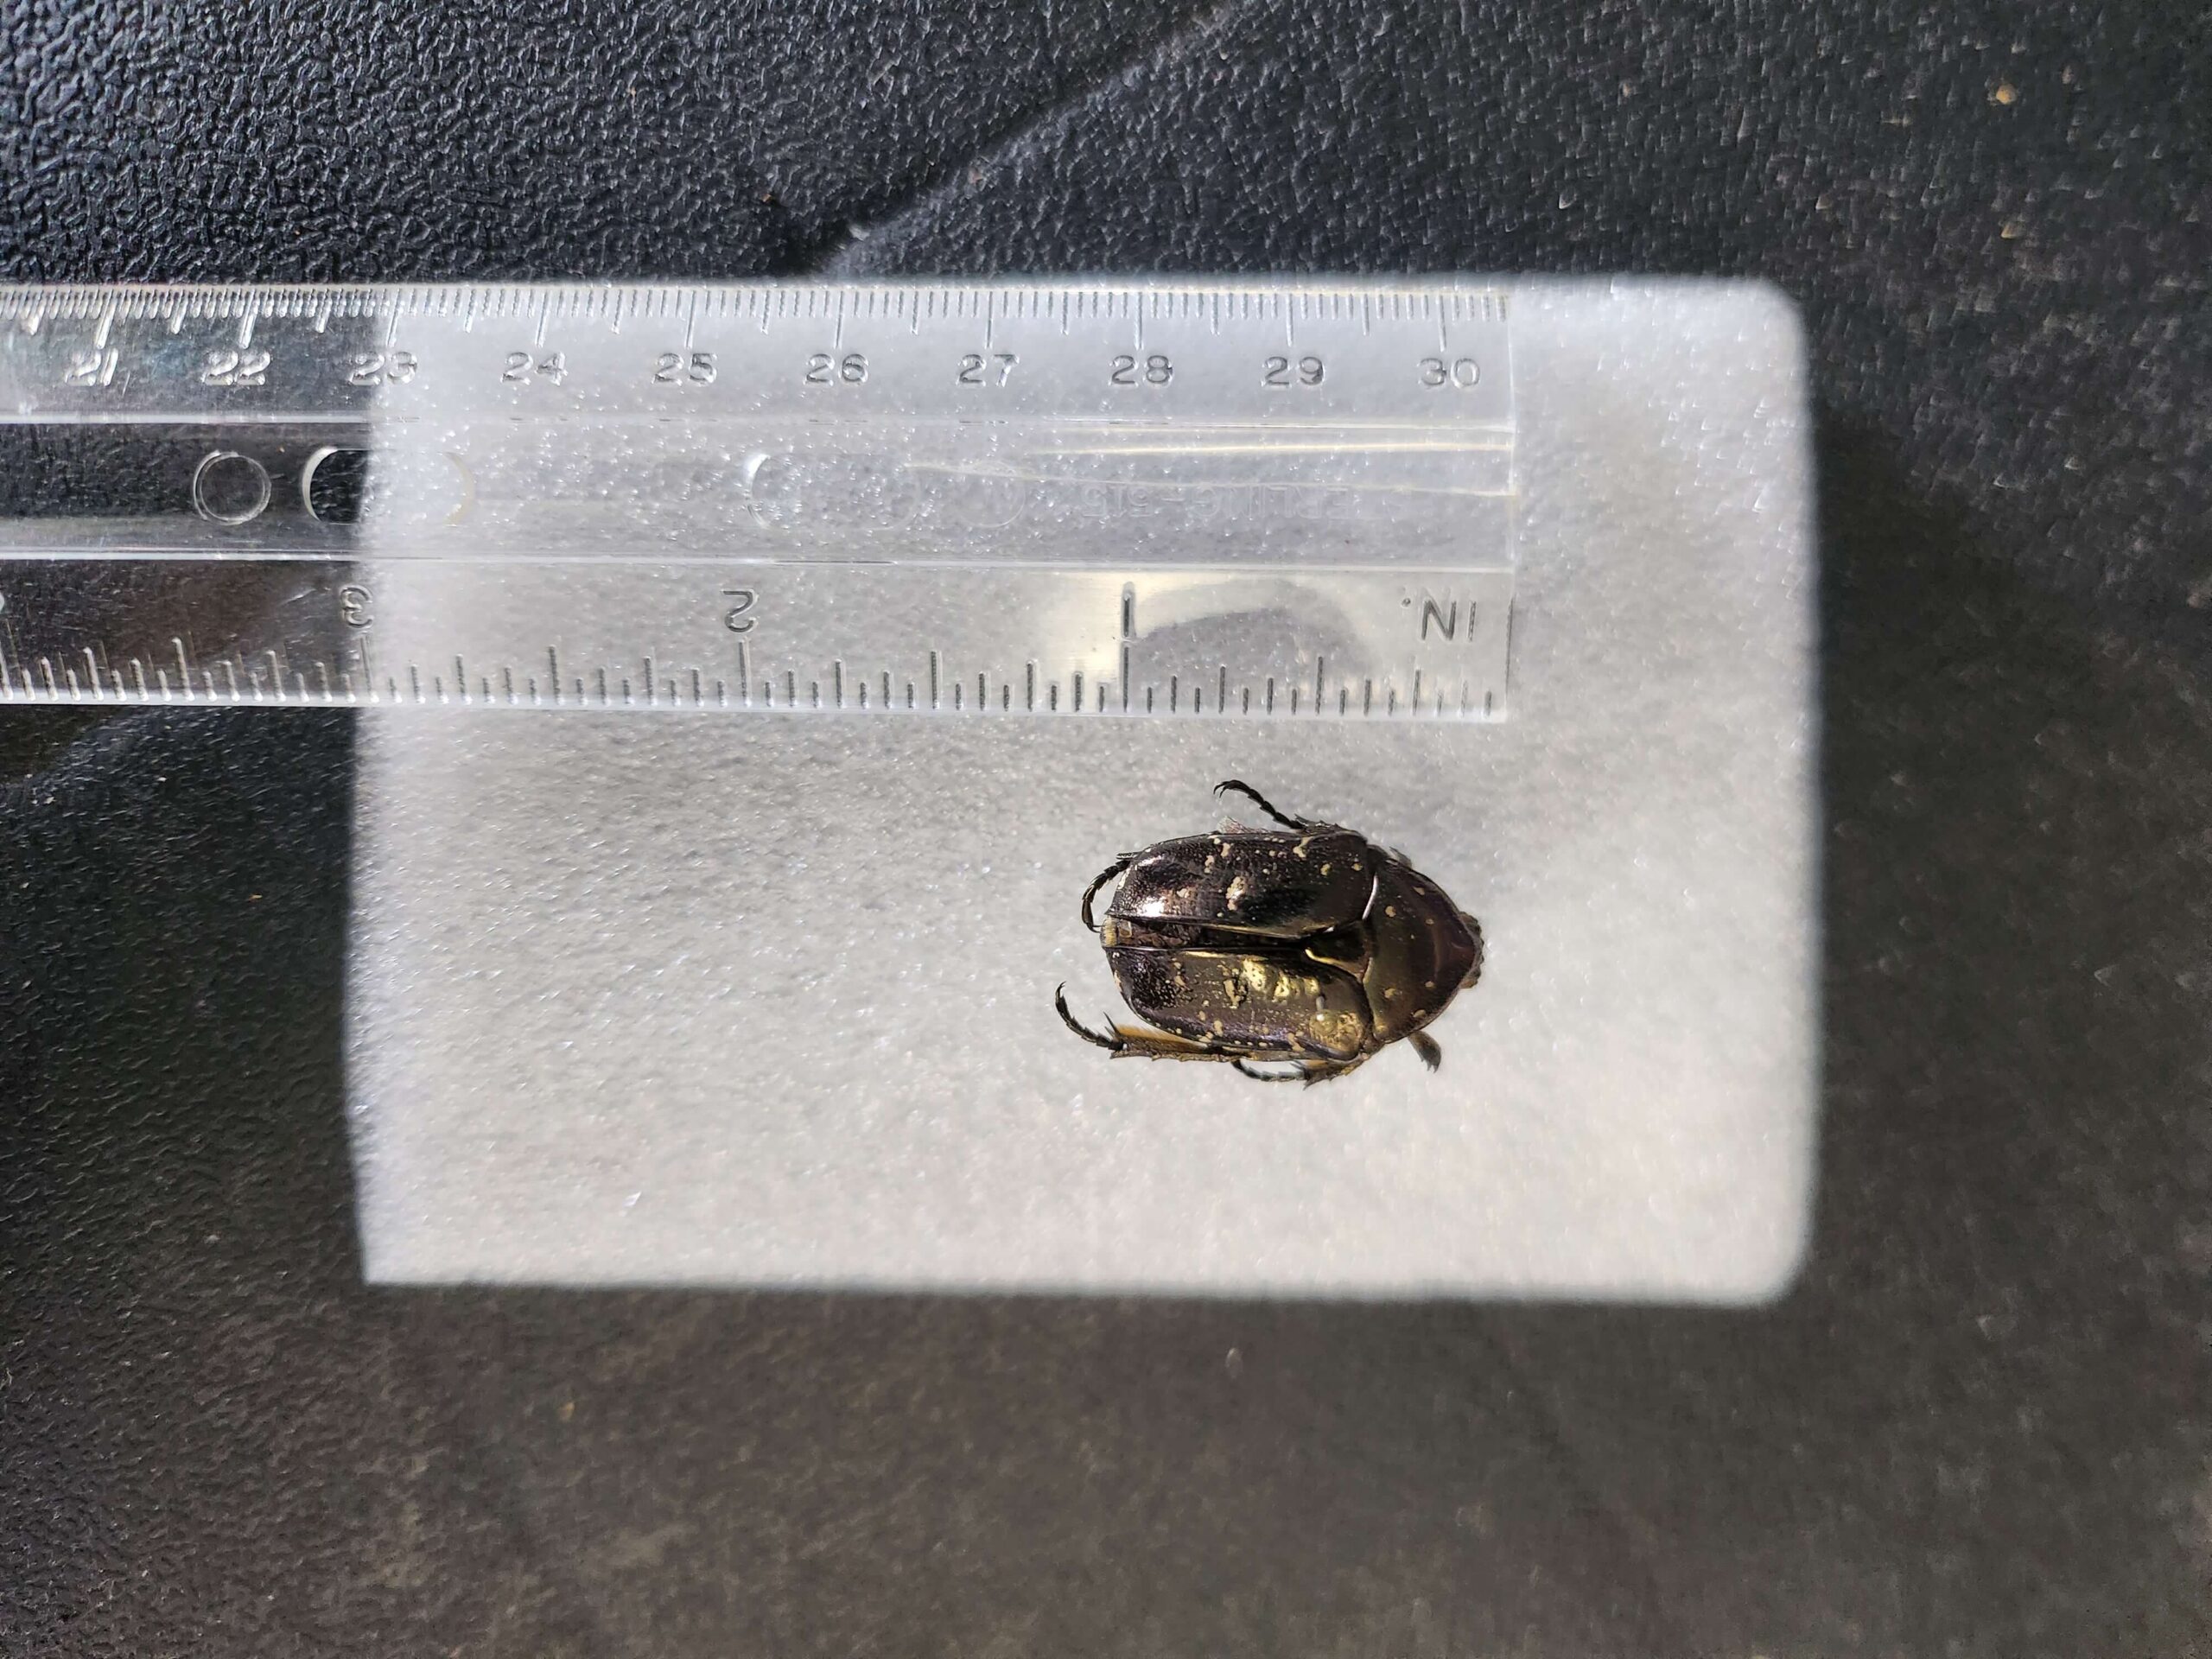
(1111, 1045)
(1264, 804)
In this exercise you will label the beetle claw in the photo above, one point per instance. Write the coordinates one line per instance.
(1111, 1045)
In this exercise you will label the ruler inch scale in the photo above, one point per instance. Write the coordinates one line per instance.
(1262, 498)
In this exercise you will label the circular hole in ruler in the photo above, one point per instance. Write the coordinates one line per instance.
(333, 483)
(229, 487)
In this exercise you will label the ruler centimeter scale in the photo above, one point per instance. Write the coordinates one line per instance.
(1270, 498)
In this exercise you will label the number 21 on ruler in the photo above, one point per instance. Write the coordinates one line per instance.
(92, 368)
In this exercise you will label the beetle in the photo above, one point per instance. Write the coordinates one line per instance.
(1308, 948)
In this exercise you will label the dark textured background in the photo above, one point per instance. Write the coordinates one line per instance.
(1982, 1423)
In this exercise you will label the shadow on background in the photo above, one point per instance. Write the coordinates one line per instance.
(1980, 1424)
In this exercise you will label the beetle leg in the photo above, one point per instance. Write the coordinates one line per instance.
(1425, 1046)
(1267, 806)
(1112, 1045)
(1104, 876)
(1246, 1067)
(1135, 1042)
(1306, 1067)
(1321, 1071)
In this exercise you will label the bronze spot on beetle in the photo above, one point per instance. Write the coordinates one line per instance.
(1350, 945)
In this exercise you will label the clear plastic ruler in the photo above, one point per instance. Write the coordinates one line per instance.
(1268, 499)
